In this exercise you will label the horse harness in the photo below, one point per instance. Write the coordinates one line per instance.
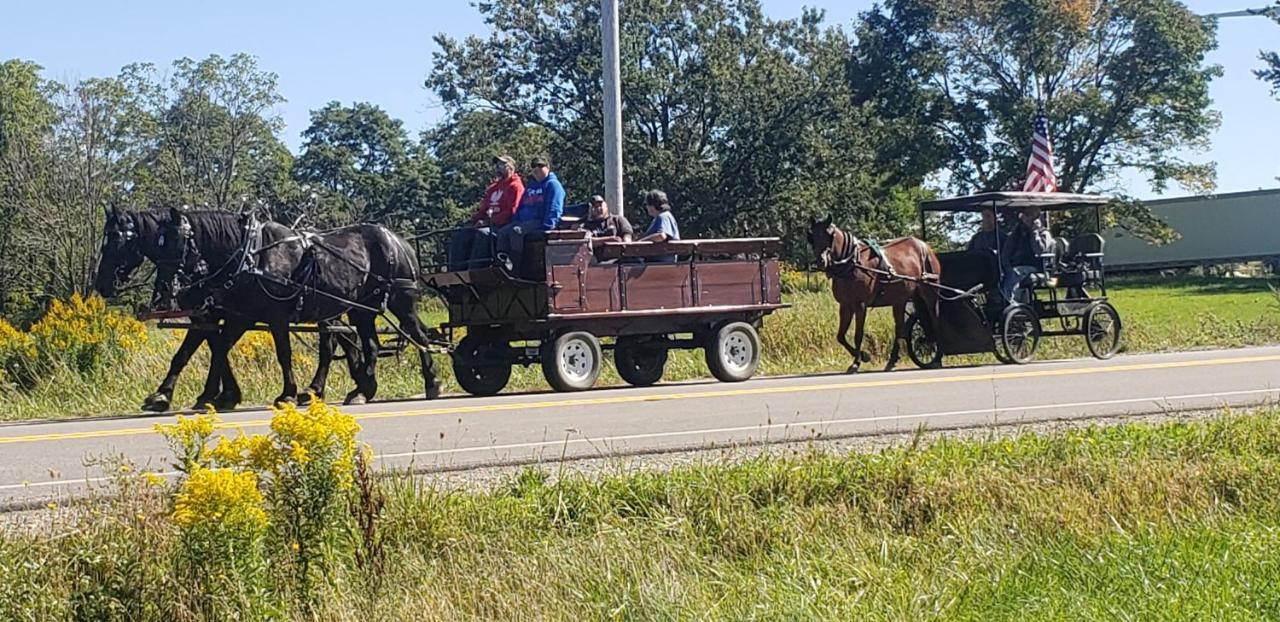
(843, 262)
(302, 281)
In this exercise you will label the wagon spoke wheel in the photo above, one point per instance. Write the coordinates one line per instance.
(640, 360)
(481, 366)
(1020, 334)
(733, 352)
(571, 361)
(921, 346)
(1102, 330)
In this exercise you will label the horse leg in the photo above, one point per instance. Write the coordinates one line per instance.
(324, 347)
(842, 336)
(220, 374)
(899, 333)
(284, 356)
(404, 306)
(367, 382)
(859, 321)
(163, 396)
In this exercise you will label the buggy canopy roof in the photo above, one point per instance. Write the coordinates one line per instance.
(1046, 201)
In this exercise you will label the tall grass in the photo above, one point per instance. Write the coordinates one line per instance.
(1159, 315)
(1173, 521)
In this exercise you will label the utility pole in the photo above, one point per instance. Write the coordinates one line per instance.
(612, 106)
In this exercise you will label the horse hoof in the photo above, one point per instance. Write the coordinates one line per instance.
(433, 390)
(285, 399)
(225, 403)
(205, 403)
(156, 403)
(306, 397)
(853, 369)
(355, 399)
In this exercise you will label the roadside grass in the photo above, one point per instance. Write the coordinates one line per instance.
(1158, 314)
(1142, 521)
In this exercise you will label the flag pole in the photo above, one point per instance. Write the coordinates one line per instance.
(612, 106)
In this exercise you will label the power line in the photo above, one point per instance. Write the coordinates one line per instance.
(1269, 11)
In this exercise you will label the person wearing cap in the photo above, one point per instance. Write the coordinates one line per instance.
(601, 224)
(472, 248)
(539, 212)
(663, 228)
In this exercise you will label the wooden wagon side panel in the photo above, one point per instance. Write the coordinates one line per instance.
(729, 283)
(656, 286)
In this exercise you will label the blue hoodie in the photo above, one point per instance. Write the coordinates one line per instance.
(543, 202)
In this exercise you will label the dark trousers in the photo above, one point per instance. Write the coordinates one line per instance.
(512, 237)
(470, 248)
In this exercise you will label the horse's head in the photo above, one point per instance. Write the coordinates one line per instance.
(178, 260)
(121, 252)
(822, 239)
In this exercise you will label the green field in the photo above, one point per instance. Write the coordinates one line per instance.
(1159, 315)
(1134, 522)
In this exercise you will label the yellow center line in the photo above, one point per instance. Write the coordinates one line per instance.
(688, 395)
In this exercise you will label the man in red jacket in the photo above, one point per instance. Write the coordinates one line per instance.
(473, 248)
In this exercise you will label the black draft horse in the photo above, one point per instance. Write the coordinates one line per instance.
(858, 281)
(267, 272)
(131, 237)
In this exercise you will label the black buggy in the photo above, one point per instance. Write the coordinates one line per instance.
(1066, 295)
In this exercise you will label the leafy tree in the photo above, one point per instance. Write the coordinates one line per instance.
(213, 129)
(364, 165)
(26, 122)
(1124, 82)
(745, 121)
(1271, 73)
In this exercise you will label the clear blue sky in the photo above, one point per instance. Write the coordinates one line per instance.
(380, 51)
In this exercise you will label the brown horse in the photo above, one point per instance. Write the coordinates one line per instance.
(859, 280)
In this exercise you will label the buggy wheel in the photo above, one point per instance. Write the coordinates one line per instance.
(640, 360)
(733, 352)
(571, 361)
(1102, 330)
(481, 365)
(921, 347)
(1020, 334)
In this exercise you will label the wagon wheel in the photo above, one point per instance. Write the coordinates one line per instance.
(922, 347)
(640, 360)
(733, 352)
(572, 360)
(1020, 334)
(480, 365)
(1102, 330)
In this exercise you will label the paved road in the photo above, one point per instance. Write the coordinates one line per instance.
(52, 459)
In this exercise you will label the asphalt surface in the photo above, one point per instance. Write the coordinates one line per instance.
(41, 461)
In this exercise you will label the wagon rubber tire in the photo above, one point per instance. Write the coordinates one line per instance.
(479, 366)
(639, 361)
(1102, 330)
(733, 352)
(571, 361)
(1020, 334)
(923, 349)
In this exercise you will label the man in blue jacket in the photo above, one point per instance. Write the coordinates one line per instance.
(539, 212)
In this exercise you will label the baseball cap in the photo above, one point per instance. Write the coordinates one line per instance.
(504, 159)
(597, 199)
(539, 161)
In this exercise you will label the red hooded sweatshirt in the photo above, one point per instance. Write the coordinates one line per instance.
(500, 201)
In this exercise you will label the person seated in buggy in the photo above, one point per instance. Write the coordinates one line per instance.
(1022, 254)
(988, 239)
(473, 247)
(600, 224)
(663, 227)
(539, 212)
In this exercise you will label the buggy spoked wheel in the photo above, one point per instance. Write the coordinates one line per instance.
(1102, 330)
(572, 361)
(1020, 334)
(480, 365)
(922, 348)
(640, 360)
(733, 352)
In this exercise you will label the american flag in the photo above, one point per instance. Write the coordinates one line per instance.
(1040, 176)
